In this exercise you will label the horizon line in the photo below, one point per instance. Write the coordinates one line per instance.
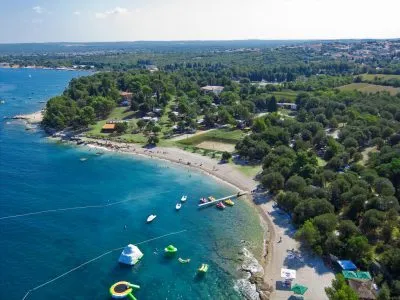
(205, 40)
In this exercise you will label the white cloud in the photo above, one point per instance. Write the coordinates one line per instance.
(38, 9)
(77, 13)
(113, 12)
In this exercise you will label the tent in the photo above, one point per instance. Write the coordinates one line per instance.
(357, 275)
(299, 289)
(130, 255)
(288, 274)
(347, 265)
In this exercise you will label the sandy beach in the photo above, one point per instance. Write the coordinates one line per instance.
(281, 249)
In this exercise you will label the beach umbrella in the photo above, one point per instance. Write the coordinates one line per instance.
(299, 289)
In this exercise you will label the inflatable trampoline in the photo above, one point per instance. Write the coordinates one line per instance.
(123, 289)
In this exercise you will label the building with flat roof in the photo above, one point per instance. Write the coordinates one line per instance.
(108, 128)
(216, 89)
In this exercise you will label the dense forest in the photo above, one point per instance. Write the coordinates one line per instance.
(332, 163)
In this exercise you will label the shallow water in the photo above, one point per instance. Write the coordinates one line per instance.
(37, 175)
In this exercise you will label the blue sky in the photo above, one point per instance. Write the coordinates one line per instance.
(130, 20)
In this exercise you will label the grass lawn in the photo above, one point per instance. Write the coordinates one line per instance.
(321, 162)
(230, 136)
(121, 113)
(286, 95)
(164, 122)
(371, 77)
(369, 88)
(118, 113)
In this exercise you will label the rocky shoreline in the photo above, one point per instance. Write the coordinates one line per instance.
(252, 286)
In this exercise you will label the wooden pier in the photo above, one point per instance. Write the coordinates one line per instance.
(222, 199)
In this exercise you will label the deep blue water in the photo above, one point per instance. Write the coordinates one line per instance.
(36, 175)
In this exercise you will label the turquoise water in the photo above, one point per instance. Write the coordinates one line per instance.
(37, 175)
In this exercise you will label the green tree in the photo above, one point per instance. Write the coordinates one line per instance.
(87, 116)
(121, 127)
(384, 187)
(325, 223)
(153, 140)
(141, 124)
(102, 106)
(259, 125)
(226, 156)
(358, 250)
(384, 293)
(273, 181)
(309, 235)
(173, 117)
(348, 229)
(340, 290)
(272, 106)
(311, 208)
(295, 184)
(288, 200)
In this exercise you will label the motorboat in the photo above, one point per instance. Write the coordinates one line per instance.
(203, 200)
(151, 218)
(211, 198)
(229, 202)
(184, 198)
(220, 205)
(178, 206)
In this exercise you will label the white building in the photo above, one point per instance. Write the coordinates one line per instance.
(212, 89)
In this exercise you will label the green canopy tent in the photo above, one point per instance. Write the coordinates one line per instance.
(357, 275)
(299, 289)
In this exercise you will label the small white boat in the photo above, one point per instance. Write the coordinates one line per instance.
(184, 198)
(151, 218)
(178, 206)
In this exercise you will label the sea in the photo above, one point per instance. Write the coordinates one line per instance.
(87, 202)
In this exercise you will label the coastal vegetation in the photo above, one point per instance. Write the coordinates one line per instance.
(320, 133)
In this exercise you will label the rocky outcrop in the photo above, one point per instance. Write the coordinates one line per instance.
(252, 286)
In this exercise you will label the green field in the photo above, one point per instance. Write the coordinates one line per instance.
(371, 77)
(288, 95)
(369, 88)
(230, 136)
(118, 113)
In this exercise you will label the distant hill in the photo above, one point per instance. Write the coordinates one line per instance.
(141, 46)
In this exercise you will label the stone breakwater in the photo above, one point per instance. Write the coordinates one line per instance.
(252, 286)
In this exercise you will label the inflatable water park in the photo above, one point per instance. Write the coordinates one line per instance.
(130, 255)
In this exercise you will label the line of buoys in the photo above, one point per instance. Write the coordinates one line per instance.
(94, 259)
(73, 208)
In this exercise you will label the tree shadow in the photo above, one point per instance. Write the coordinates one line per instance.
(295, 259)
